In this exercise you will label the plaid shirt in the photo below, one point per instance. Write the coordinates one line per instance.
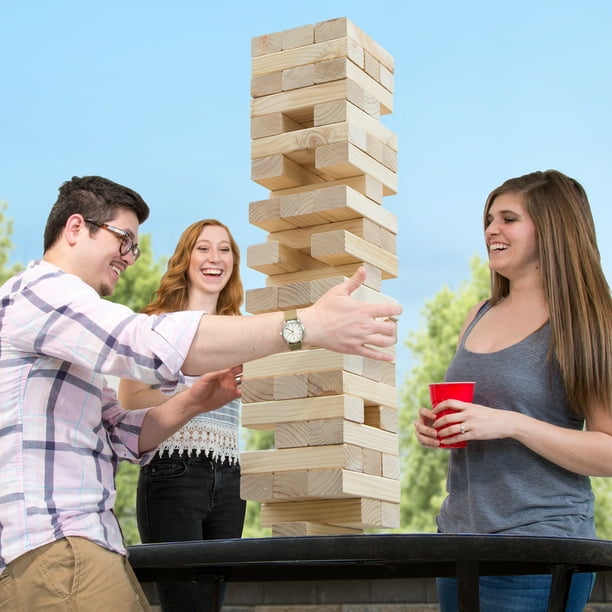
(62, 430)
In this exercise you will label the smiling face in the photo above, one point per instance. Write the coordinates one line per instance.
(210, 267)
(100, 262)
(511, 237)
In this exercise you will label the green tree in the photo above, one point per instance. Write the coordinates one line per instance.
(433, 346)
(6, 246)
(134, 289)
(424, 470)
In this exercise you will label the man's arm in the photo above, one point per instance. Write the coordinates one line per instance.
(336, 322)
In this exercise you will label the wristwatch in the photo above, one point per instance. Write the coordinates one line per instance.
(293, 330)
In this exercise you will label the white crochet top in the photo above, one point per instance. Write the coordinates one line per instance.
(215, 433)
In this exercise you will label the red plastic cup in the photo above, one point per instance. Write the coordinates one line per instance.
(439, 392)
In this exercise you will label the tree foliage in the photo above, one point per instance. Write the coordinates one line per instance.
(433, 346)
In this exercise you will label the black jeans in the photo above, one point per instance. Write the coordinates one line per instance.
(188, 497)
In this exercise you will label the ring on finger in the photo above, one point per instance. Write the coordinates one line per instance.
(462, 429)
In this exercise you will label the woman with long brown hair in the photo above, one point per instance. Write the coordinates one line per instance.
(191, 488)
(540, 352)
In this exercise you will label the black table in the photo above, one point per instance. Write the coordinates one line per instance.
(378, 556)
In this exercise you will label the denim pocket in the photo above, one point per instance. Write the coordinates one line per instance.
(165, 469)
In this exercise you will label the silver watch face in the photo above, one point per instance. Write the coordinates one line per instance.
(293, 332)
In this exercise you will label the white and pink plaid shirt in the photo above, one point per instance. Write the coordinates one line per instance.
(62, 430)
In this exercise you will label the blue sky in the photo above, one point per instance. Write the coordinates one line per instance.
(155, 95)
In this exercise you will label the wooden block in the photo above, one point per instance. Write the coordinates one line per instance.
(340, 456)
(372, 462)
(335, 203)
(390, 466)
(305, 54)
(382, 417)
(386, 78)
(372, 66)
(339, 381)
(330, 70)
(302, 362)
(338, 111)
(300, 76)
(300, 237)
(289, 387)
(290, 485)
(293, 144)
(365, 185)
(381, 152)
(266, 415)
(267, 43)
(341, 247)
(276, 258)
(303, 528)
(280, 172)
(373, 275)
(294, 435)
(266, 215)
(293, 101)
(338, 28)
(390, 515)
(257, 390)
(380, 370)
(273, 123)
(344, 159)
(356, 513)
(338, 484)
(257, 486)
(263, 299)
(266, 84)
(298, 37)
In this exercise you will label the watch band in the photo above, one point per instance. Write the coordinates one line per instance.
(292, 321)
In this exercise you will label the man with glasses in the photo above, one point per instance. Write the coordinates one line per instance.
(62, 430)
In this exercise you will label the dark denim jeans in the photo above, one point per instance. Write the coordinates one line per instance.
(185, 497)
(517, 593)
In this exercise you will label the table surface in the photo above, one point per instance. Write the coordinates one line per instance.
(366, 556)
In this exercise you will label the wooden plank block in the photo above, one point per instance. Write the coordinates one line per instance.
(273, 123)
(333, 203)
(308, 139)
(373, 276)
(303, 528)
(337, 484)
(342, 26)
(267, 43)
(290, 102)
(309, 485)
(305, 54)
(299, 76)
(381, 152)
(262, 299)
(294, 435)
(276, 258)
(266, 215)
(344, 159)
(266, 415)
(298, 37)
(294, 459)
(372, 462)
(365, 185)
(342, 110)
(257, 486)
(300, 237)
(382, 417)
(370, 86)
(390, 466)
(341, 247)
(280, 172)
(289, 387)
(266, 84)
(358, 513)
(297, 362)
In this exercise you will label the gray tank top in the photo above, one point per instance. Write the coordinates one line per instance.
(500, 486)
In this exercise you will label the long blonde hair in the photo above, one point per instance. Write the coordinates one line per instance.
(173, 291)
(575, 288)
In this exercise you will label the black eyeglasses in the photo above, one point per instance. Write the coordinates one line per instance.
(127, 242)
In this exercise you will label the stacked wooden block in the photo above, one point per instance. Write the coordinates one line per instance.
(320, 148)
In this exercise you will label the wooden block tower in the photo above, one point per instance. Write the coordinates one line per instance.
(319, 147)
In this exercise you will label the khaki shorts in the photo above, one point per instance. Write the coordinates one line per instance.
(71, 574)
